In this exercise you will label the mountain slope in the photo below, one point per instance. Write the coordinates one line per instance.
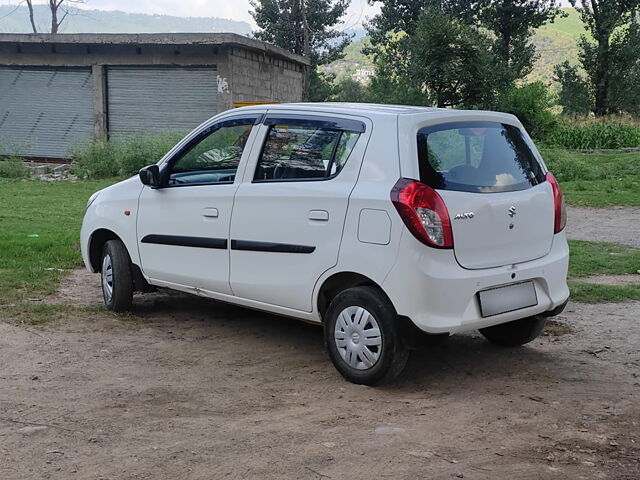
(14, 20)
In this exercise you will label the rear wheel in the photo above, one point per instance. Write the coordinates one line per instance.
(116, 276)
(516, 333)
(362, 337)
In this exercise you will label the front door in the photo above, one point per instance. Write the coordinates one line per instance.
(183, 226)
(289, 211)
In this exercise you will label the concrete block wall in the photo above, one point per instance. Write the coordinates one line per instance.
(259, 77)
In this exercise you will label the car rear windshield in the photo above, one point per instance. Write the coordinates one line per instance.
(484, 157)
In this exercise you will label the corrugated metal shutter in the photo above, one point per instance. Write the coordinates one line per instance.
(159, 99)
(44, 111)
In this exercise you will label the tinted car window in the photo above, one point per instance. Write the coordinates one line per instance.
(212, 159)
(295, 152)
(480, 157)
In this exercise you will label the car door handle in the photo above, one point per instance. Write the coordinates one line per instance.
(210, 212)
(319, 215)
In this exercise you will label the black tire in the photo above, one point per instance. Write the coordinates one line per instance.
(391, 354)
(516, 333)
(121, 296)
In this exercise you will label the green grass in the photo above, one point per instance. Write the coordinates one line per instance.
(596, 180)
(599, 258)
(51, 210)
(594, 293)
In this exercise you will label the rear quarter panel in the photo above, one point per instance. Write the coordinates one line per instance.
(379, 172)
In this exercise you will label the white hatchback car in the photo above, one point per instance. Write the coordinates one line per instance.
(389, 225)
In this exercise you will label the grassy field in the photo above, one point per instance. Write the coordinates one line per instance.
(40, 227)
(598, 258)
(41, 223)
(596, 179)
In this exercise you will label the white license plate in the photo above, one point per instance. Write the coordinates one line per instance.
(507, 299)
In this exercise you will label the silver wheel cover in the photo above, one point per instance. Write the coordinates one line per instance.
(358, 338)
(107, 278)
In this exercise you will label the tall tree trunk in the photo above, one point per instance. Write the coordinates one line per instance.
(33, 23)
(306, 50)
(53, 4)
(602, 77)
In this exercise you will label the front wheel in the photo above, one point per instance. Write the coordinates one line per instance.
(116, 276)
(516, 333)
(362, 338)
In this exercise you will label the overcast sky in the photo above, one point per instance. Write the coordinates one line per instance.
(233, 9)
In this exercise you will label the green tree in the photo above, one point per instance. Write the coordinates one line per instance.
(625, 72)
(402, 15)
(602, 18)
(444, 62)
(349, 90)
(512, 22)
(305, 27)
(451, 61)
(574, 95)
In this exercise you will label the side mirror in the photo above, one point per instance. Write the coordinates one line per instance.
(150, 176)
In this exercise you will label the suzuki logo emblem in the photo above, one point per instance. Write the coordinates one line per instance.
(512, 211)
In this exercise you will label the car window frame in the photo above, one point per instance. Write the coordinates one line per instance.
(252, 119)
(424, 172)
(340, 124)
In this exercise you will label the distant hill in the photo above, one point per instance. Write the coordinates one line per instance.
(554, 43)
(102, 21)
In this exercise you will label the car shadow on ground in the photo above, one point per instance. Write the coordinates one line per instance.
(461, 361)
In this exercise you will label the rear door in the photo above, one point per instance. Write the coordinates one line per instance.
(289, 212)
(183, 227)
(494, 187)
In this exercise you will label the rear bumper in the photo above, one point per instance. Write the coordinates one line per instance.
(429, 287)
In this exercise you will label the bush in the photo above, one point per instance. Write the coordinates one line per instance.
(608, 133)
(531, 103)
(101, 158)
(349, 90)
(13, 167)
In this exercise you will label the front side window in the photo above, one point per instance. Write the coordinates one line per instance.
(297, 152)
(482, 157)
(214, 157)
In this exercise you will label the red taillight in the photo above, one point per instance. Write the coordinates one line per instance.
(558, 204)
(423, 212)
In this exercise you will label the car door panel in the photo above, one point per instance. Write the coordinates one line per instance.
(183, 229)
(285, 234)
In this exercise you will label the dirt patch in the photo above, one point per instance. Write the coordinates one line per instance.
(80, 288)
(556, 329)
(615, 224)
(193, 389)
(620, 280)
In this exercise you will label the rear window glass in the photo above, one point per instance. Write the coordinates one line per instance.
(484, 157)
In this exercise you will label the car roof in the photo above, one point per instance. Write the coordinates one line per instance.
(375, 109)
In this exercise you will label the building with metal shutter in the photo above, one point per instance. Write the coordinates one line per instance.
(59, 90)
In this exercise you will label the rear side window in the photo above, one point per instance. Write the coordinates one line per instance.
(304, 152)
(484, 157)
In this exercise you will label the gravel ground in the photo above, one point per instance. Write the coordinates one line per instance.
(615, 224)
(187, 388)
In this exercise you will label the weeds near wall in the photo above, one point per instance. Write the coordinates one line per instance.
(120, 158)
